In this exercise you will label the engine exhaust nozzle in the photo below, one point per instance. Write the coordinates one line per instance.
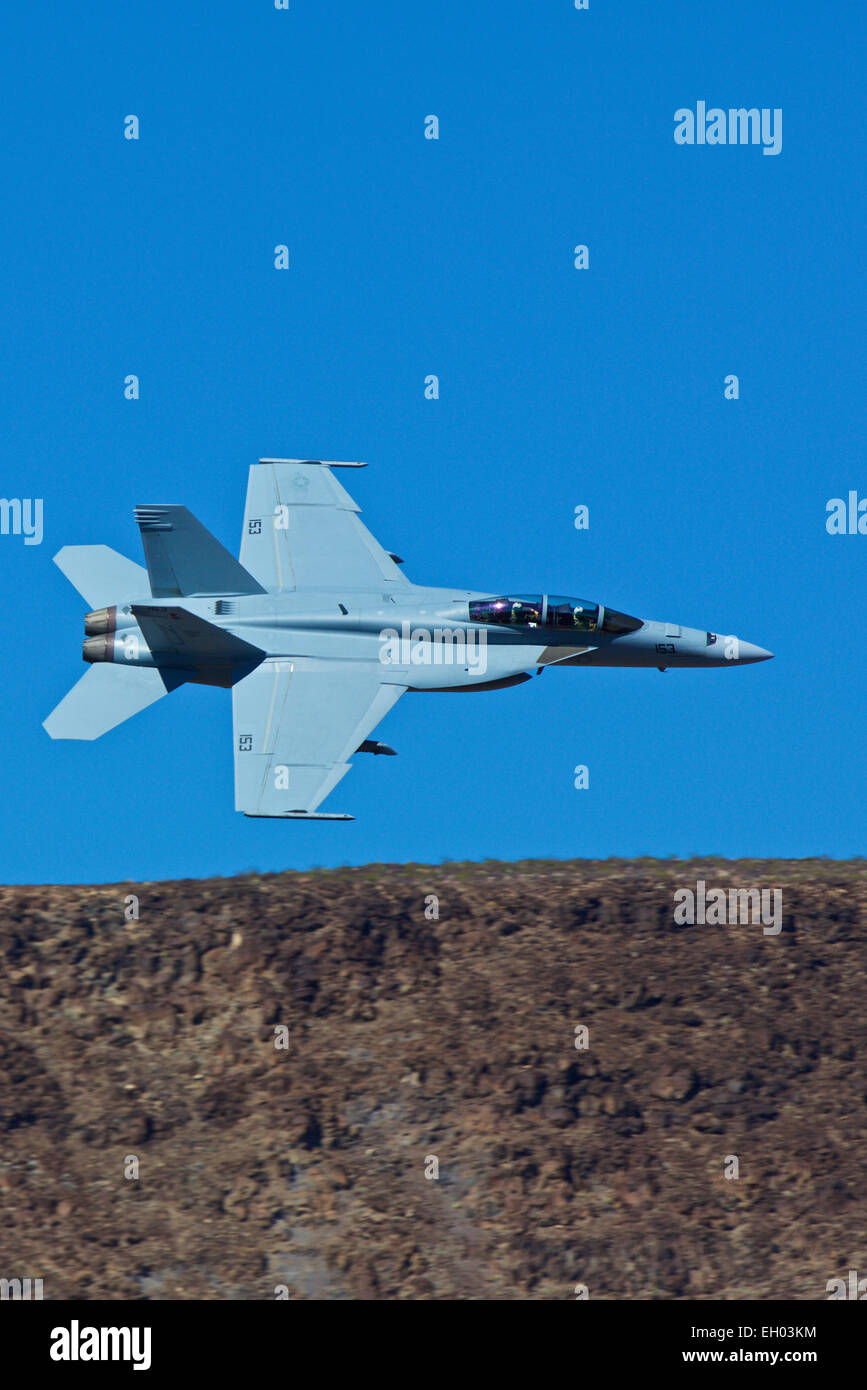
(98, 648)
(101, 620)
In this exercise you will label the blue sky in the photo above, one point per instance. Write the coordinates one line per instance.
(558, 387)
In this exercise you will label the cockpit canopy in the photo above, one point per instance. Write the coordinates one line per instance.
(551, 611)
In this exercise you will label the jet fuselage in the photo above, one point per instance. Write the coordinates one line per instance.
(423, 638)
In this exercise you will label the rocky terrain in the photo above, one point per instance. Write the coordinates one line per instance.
(365, 1083)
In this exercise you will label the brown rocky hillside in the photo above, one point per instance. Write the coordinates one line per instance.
(410, 1039)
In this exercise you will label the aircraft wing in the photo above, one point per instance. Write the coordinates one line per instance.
(295, 724)
(302, 530)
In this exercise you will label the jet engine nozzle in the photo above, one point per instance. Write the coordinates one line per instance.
(101, 620)
(98, 648)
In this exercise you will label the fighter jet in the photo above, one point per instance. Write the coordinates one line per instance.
(318, 633)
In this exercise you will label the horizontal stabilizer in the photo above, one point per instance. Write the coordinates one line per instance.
(184, 558)
(176, 631)
(100, 575)
(105, 696)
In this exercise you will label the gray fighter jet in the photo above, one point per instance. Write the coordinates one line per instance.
(318, 633)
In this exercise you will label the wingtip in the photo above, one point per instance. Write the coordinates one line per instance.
(297, 815)
(319, 463)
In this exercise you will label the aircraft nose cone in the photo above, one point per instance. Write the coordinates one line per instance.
(748, 652)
